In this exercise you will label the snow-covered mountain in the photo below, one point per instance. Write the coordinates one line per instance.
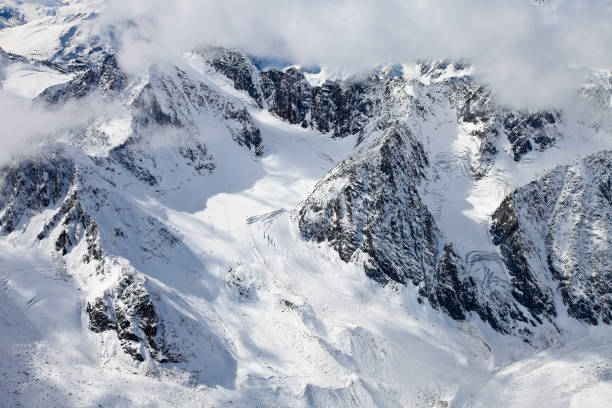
(212, 230)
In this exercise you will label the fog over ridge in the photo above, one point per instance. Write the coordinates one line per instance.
(532, 55)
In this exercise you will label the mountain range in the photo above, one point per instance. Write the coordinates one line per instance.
(217, 229)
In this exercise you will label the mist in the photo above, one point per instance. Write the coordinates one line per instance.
(29, 127)
(532, 55)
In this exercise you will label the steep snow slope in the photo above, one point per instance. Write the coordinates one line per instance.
(576, 374)
(293, 315)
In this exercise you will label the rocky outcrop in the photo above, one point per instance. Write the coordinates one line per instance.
(527, 131)
(348, 107)
(556, 231)
(340, 107)
(454, 291)
(237, 66)
(368, 207)
(72, 223)
(369, 210)
(173, 99)
(369, 203)
(129, 310)
(101, 315)
(10, 17)
(39, 184)
(477, 111)
(167, 99)
(76, 198)
(528, 287)
(32, 186)
(344, 108)
(288, 95)
(105, 78)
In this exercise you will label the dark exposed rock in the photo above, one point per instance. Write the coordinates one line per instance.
(289, 305)
(370, 204)
(340, 107)
(202, 98)
(198, 157)
(129, 309)
(506, 233)
(169, 101)
(527, 131)
(325, 102)
(245, 133)
(344, 108)
(374, 207)
(31, 187)
(106, 78)
(135, 163)
(569, 211)
(150, 111)
(288, 95)
(100, 316)
(134, 309)
(92, 238)
(475, 106)
(237, 66)
(455, 292)
(74, 224)
(132, 314)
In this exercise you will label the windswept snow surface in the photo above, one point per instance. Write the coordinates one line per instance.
(29, 80)
(574, 375)
(56, 29)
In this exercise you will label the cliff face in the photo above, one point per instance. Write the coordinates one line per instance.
(370, 203)
(556, 229)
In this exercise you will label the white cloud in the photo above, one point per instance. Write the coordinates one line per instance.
(28, 127)
(532, 56)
